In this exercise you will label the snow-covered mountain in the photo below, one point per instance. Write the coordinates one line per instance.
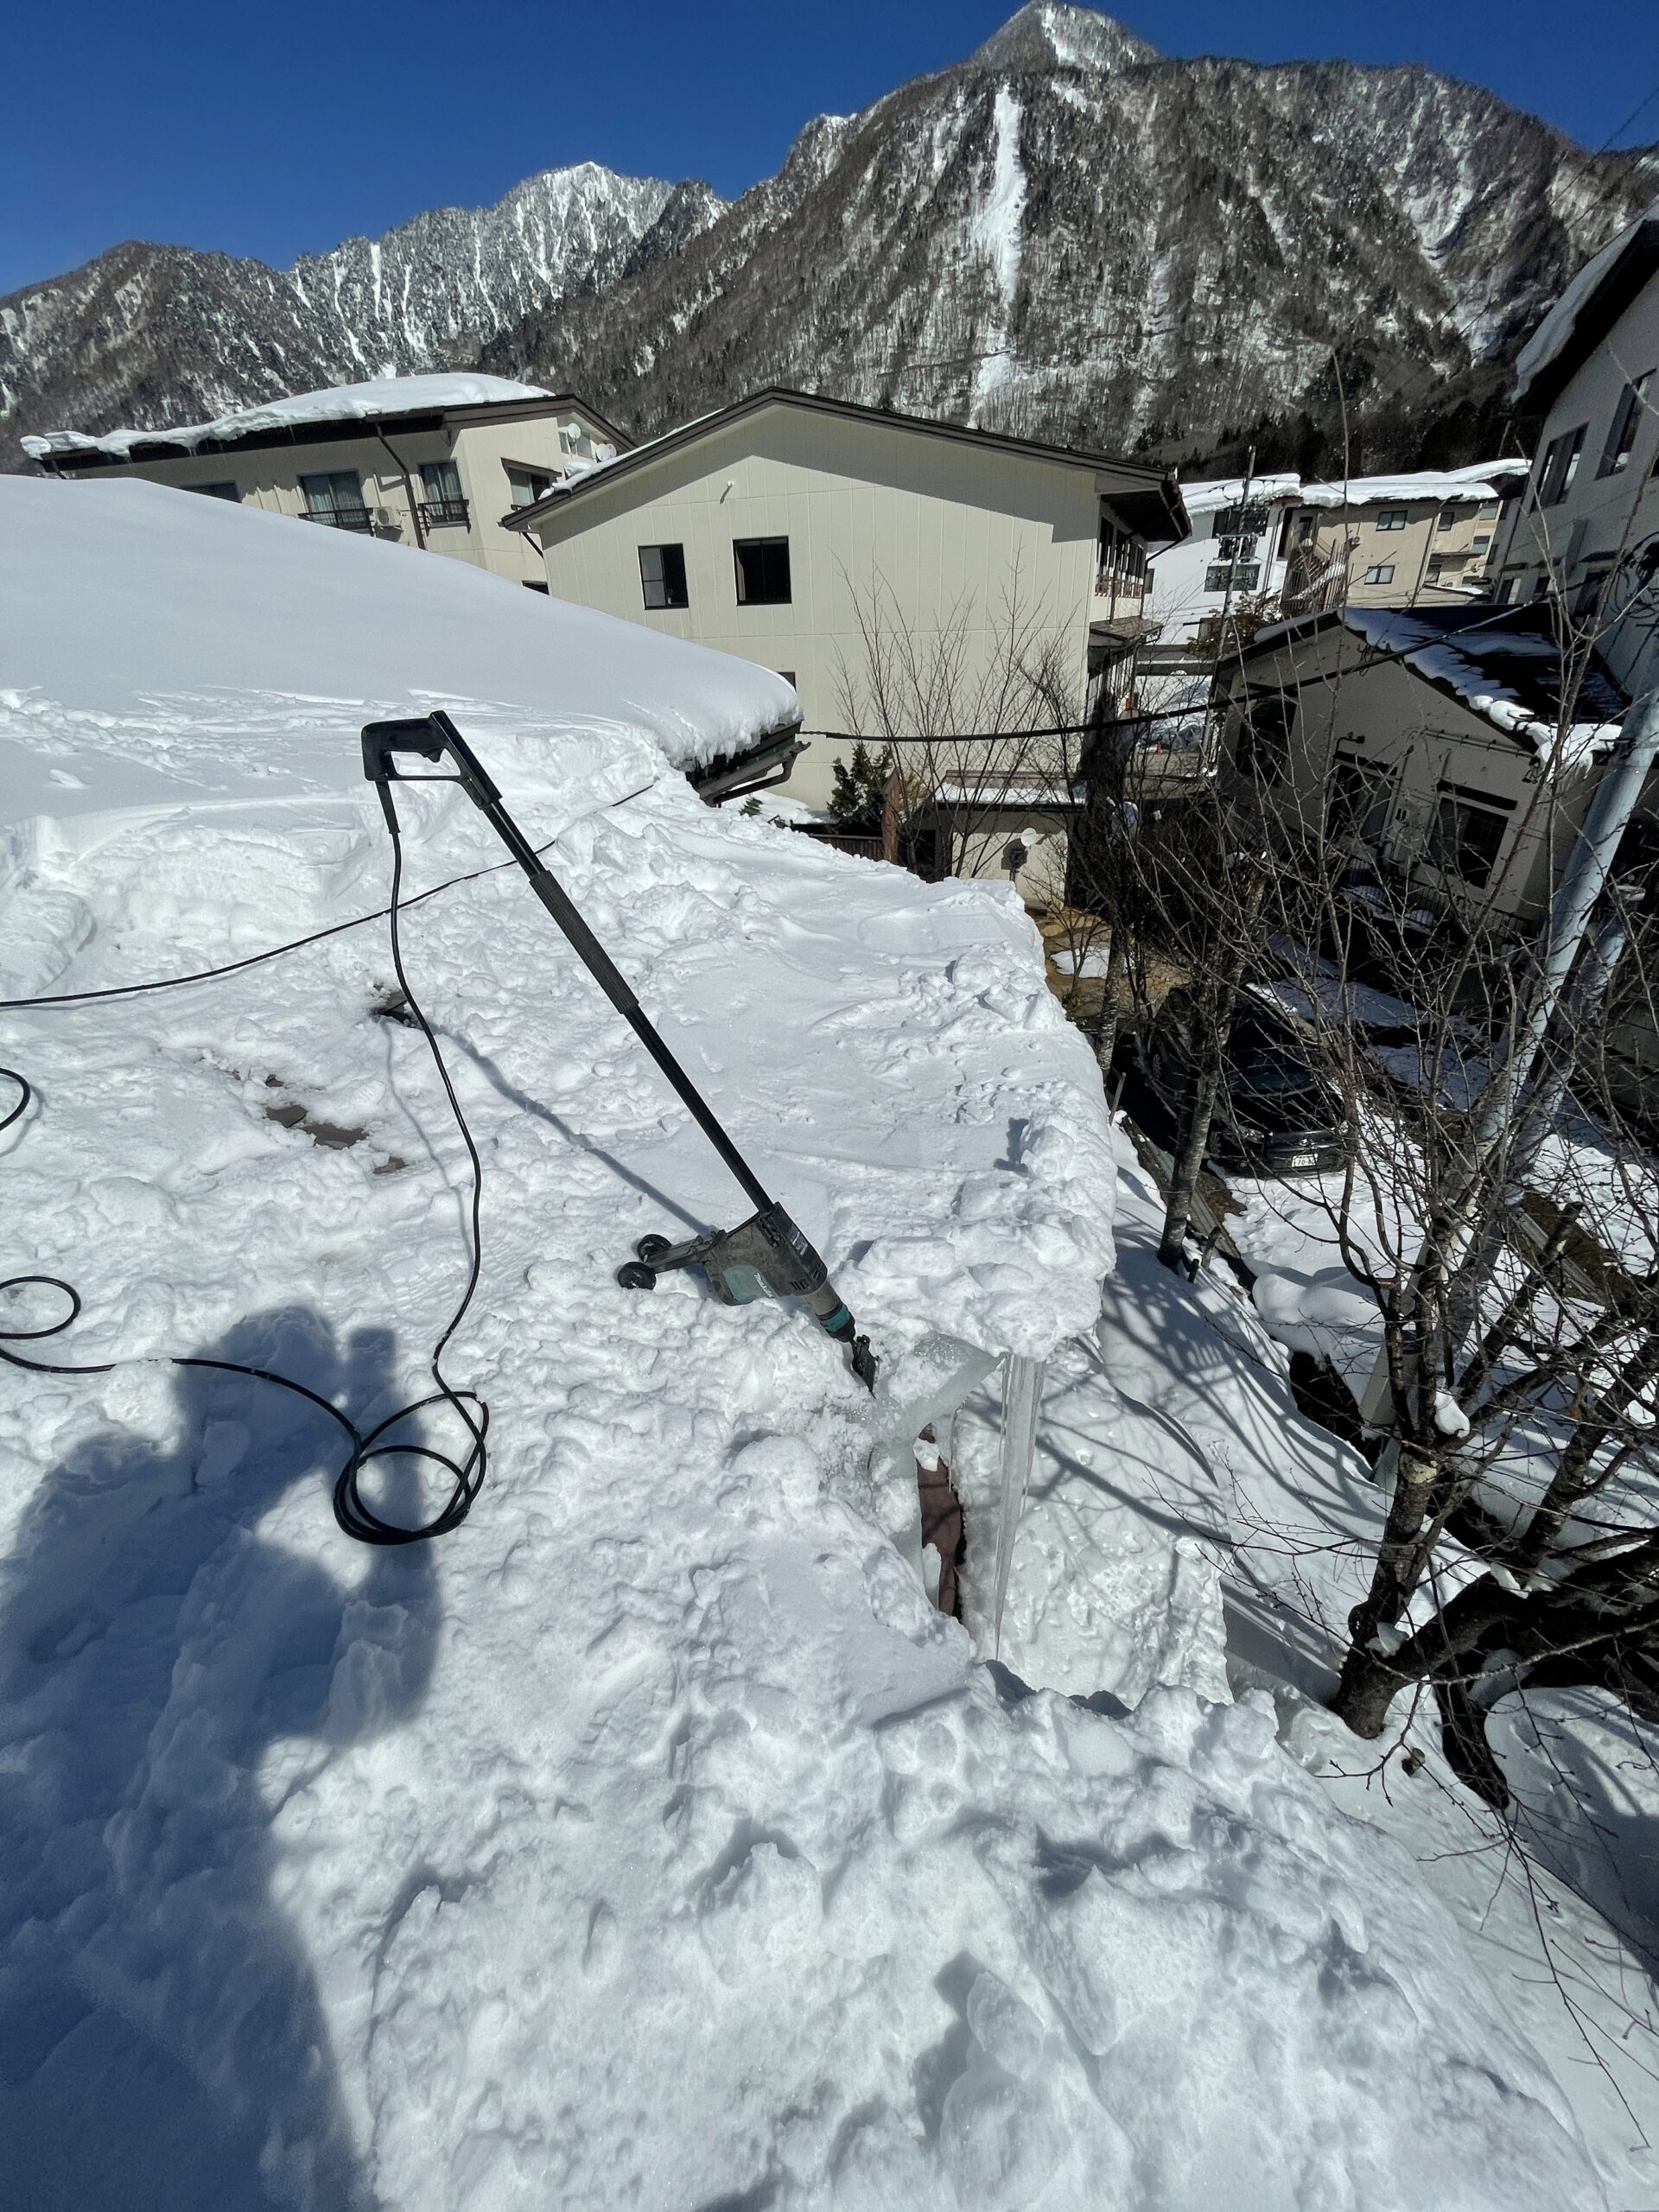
(1066, 233)
(151, 334)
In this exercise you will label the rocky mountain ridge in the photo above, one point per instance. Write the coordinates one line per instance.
(1067, 234)
(147, 335)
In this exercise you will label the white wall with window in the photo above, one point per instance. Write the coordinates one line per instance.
(1588, 531)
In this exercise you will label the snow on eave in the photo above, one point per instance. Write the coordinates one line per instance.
(1555, 334)
(1438, 658)
(381, 399)
(1486, 480)
(1205, 498)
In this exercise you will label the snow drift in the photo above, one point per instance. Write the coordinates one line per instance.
(650, 1840)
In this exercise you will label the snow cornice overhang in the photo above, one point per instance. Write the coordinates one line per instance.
(160, 445)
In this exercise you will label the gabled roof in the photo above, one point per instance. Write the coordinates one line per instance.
(1587, 311)
(338, 411)
(1506, 666)
(1154, 488)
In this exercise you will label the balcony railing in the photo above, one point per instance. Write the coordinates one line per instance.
(444, 514)
(359, 518)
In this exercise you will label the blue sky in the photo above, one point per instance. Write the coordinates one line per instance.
(277, 131)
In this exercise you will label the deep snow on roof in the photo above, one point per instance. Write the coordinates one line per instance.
(1202, 498)
(1555, 333)
(134, 610)
(1486, 480)
(382, 397)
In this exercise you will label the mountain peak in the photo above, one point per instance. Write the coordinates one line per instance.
(1048, 35)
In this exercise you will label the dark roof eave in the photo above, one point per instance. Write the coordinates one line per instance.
(1147, 482)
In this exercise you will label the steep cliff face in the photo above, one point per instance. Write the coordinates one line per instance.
(1069, 236)
(150, 334)
(1066, 235)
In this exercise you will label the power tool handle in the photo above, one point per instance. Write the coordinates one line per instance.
(429, 737)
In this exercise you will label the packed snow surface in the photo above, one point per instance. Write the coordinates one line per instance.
(1203, 498)
(650, 1840)
(340, 402)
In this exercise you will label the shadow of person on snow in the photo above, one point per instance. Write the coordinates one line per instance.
(171, 1675)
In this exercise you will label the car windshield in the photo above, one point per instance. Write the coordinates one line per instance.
(1260, 1068)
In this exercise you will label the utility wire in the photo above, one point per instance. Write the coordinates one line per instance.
(276, 951)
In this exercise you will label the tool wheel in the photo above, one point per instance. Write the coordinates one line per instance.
(651, 1250)
(636, 1276)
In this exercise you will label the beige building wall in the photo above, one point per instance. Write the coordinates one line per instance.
(268, 476)
(1441, 546)
(939, 535)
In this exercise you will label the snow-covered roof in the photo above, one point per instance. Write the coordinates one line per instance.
(121, 593)
(1559, 330)
(1485, 480)
(381, 397)
(1205, 498)
(1507, 670)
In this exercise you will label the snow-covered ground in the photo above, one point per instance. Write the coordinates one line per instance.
(650, 1840)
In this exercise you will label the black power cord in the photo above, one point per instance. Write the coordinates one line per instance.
(357, 1517)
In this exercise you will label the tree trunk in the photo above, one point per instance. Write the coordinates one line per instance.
(1189, 1158)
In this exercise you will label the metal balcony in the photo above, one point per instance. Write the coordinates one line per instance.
(358, 518)
(444, 514)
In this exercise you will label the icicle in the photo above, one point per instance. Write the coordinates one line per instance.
(1022, 1395)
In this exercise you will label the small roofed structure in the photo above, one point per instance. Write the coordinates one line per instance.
(1442, 756)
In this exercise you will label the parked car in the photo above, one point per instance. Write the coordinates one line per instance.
(1276, 1114)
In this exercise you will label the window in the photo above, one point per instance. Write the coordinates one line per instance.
(1231, 521)
(1305, 524)
(1446, 519)
(1586, 601)
(1467, 838)
(1380, 572)
(225, 491)
(1481, 545)
(1240, 575)
(1627, 422)
(526, 486)
(1487, 510)
(337, 499)
(662, 576)
(442, 504)
(762, 571)
(1560, 466)
(1390, 518)
(1441, 565)
(1119, 559)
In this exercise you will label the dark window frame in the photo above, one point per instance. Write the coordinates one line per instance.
(766, 566)
(1467, 838)
(222, 487)
(669, 584)
(1627, 422)
(1560, 466)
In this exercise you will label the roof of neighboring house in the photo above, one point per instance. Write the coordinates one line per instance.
(1587, 311)
(1485, 480)
(1148, 487)
(1505, 667)
(1229, 491)
(337, 410)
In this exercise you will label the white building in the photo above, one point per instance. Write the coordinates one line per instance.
(1588, 526)
(1234, 552)
(434, 461)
